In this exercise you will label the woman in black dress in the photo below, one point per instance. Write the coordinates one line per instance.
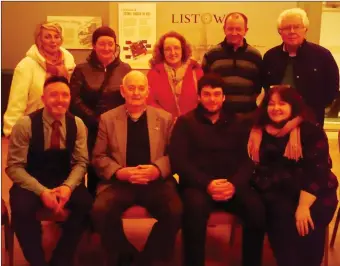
(294, 179)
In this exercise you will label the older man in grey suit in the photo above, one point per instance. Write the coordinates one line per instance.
(131, 158)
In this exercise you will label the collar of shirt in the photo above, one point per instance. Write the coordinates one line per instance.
(49, 119)
(230, 47)
(200, 113)
(297, 51)
(131, 117)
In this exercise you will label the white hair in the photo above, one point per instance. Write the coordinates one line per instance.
(294, 11)
(134, 74)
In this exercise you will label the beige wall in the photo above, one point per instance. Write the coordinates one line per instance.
(314, 11)
(262, 17)
(17, 31)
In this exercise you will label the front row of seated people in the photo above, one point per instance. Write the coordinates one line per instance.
(292, 198)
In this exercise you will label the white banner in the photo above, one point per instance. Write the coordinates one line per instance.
(137, 33)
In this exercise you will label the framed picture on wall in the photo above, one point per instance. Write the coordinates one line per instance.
(77, 30)
(332, 4)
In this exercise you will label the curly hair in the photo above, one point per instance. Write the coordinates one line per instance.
(158, 50)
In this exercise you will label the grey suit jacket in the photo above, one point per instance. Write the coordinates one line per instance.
(109, 153)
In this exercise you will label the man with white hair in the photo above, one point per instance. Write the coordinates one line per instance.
(130, 156)
(306, 66)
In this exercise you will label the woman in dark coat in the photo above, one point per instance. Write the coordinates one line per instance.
(95, 87)
(294, 179)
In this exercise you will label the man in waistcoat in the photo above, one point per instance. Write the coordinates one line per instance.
(47, 160)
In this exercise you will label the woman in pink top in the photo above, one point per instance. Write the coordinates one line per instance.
(173, 75)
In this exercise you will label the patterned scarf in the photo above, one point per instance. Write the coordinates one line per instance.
(175, 77)
(293, 149)
(55, 65)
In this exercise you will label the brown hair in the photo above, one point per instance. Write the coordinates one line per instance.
(236, 15)
(55, 79)
(289, 95)
(158, 50)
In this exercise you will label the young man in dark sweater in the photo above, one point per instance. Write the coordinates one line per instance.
(208, 152)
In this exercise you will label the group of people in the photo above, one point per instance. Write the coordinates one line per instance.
(131, 132)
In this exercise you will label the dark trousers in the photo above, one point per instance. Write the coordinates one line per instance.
(289, 248)
(161, 200)
(24, 205)
(92, 178)
(197, 206)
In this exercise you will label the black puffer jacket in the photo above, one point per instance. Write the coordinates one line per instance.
(89, 100)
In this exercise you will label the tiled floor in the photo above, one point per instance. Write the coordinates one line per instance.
(218, 251)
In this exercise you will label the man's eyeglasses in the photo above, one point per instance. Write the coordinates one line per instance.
(296, 28)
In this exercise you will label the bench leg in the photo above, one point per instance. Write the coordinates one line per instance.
(335, 230)
(325, 259)
(232, 234)
(9, 241)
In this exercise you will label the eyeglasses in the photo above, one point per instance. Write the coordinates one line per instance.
(289, 28)
(171, 49)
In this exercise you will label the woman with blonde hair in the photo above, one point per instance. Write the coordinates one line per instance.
(173, 75)
(45, 58)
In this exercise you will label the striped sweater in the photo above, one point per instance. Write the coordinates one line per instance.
(241, 71)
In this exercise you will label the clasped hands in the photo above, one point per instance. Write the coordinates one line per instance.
(221, 189)
(141, 174)
(56, 198)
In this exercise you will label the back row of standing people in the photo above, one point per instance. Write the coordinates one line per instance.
(306, 66)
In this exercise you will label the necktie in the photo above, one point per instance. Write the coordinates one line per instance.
(55, 136)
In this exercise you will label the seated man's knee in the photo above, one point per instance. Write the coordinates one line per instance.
(255, 216)
(84, 202)
(24, 204)
(195, 203)
(99, 209)
(175, 209)
(194, 198)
